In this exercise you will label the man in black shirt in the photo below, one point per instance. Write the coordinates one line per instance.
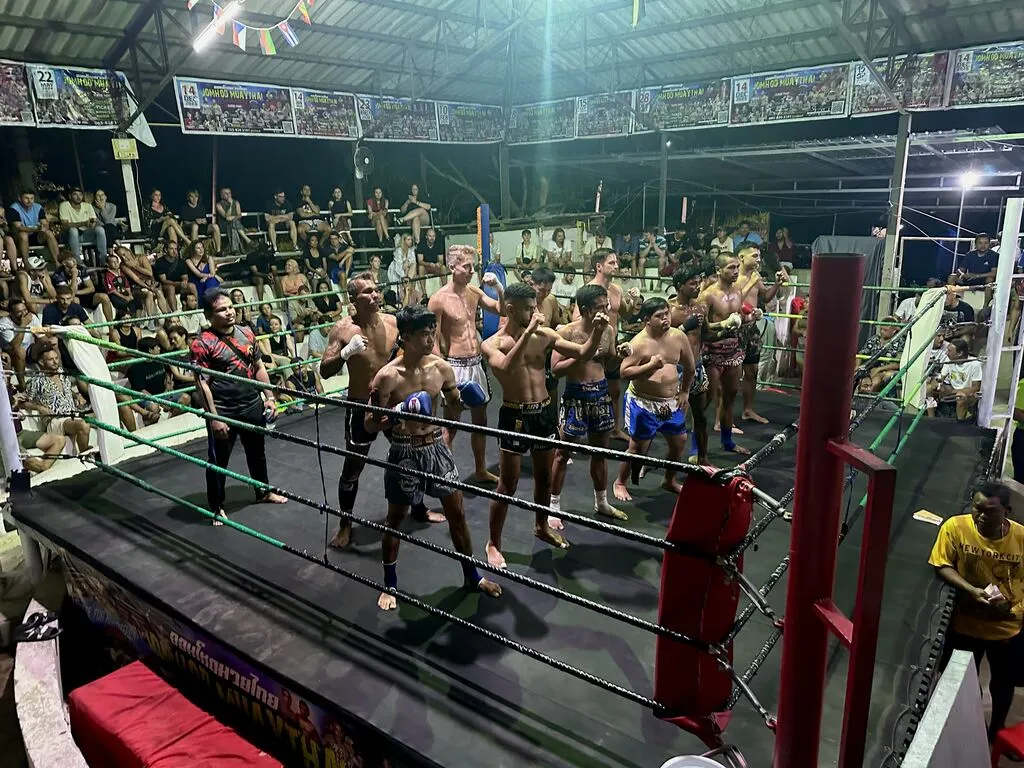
(195, 221)
(979, 266)
(152, 377)
(69, 273)
(64, 307)
(280, 212)
(228, 348)
(957, 316)
(172, 273)
(430, 256)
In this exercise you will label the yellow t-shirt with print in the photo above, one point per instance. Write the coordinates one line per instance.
(982, 562)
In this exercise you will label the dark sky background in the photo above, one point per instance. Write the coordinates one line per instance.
(254, 167)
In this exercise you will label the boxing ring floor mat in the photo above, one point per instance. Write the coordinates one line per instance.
(451, 696)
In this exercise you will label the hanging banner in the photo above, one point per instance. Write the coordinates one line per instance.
(919, 81)
(235, 109)
(71, 97)
(604, 114)
(15, 104)
(547, 121)
(470, 123)
(674, 107)
(791, 95)
(990, 74)
(385, 118)
(324, 114)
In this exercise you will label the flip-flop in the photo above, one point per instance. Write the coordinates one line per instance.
(39, 626)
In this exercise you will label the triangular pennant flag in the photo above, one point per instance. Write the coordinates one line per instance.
(218, 22)
(191, 4)
(289, 34)
(304, 13)
(238, 34)
(267, 43)
(310, 3)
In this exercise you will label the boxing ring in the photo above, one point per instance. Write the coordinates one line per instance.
(640, 642)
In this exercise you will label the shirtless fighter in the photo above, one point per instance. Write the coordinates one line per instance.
(454, 306)
(754, 291)
(365, 341)
(660, 372)
(412, 383)
(723, 352)
(516, 354)
(606, 264)
(689, 315)
(586, 410)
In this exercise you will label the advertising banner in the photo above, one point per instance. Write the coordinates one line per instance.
(991, 74)
(72, 97)
(325, 115)
(792, 95)
(604, 114)
(674, 107)
(15, 104)
(385, 118)
(538, 123)
(470, 123)
(918, 80)
(235, 109)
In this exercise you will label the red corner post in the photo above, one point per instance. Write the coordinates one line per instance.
(836, 281)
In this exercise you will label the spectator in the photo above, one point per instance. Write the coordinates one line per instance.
(192, 319)
(958, 382)
(106, 214)
(782, 249)
(50, 444)
(124, 334)
(906, 310)
(260, 262)
(35, 285)
(293, 283)
(202, 269)
(528, 257)
(678, 243)
(559, 254)
(411, 294)
(178, 340)
(374, 269)
(229, 219)
(698, 241)
(377, 210)
(280, 211)
(15, 336)
(415, 212)
(73, 276)
(980, 555)
(979, 266)
(262, 322)
(744, 235)
(599, 240)
(196, 221)
(340, 210)
(317, 337)
(652, 245)
(28, 219)
(566, 287)
(10, 262)
(313, 262)
(430, 257)
(491, 320)
(721, 240)
(81, 226)
(403, 262)
(939, 353)
(158, 220)
(139, 271)
(63, 308)
(881, 371)
(243, 313)
(307, 215)
(339, 253)
(628, 248)
(172, 274)
(278, 348)
(495, 249)
(330, 305)
(152, 377)
(117, 287)
(56, 395)
(668, 261)
(957, 316)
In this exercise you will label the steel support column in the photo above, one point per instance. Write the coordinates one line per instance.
(890, 268)
(663, 183)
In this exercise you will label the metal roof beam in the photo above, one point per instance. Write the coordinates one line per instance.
(131, 33)
(858, 48)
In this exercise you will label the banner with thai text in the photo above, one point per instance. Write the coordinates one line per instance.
(604, 114)
(72, 97)
(791, 95)
(235, 109)
(918, 80)
(675, 107)
(470, 123)
(990, 74)
(385, 118)
(15, 103)
(324, 114)
(538, 123)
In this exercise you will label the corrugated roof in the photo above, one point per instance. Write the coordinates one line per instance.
(447, 49)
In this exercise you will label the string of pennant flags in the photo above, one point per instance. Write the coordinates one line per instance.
(240, 30)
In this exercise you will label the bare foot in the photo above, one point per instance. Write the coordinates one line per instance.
(700, 461)
(484, 477)
(618, 434)
(494, 556)
(609, 511)
(736, 449)
(619, 492)
(387, 602)
(342, 537)
(552, 538)
(674, 487)
(735, 430)
(489, 588)
(421, 514)
(221, 517)
(752, 415)
(554, 522)
(272, 498)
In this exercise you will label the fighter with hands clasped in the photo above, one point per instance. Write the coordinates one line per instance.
(660, 370)
(516, 354)
(689, 314)
(412, 384)
(753, 291)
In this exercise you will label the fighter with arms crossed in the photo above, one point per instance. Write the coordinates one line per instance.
(412, 383)
(516, 354)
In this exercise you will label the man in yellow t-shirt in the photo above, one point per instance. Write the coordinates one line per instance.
(981, 555)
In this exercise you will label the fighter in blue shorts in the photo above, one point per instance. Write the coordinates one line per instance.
(587, 411)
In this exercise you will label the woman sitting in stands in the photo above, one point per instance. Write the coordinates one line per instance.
(159, 221)
(314, 262)
(202, 270)
(138, 268)
(327, 305)
(377, 210)
(292, 284)
(106, 215)
(341, 211)
(415, 212)
(243, 314)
